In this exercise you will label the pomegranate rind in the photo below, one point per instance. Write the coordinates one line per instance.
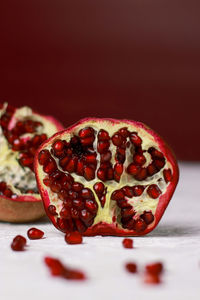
(103, 228)
(27, 207)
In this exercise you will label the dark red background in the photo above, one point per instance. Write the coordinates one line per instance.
(123, 59)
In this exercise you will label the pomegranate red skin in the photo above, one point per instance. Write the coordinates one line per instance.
(102, 228)
(24, 208)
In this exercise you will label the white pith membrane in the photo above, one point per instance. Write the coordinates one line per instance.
(18, 178)
(140, 204)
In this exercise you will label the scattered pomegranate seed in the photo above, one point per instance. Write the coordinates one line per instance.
(35, 234)
(154, 269)
(58, 269)
(73, 238)
(127, 243)
(152, 279)
(18, 243)
(131, 267)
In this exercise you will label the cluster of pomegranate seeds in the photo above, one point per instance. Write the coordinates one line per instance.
(18, 243)
(26, 146)
(131, 267)
(5, 190)
(90, 154)
(73, 238)
(153, 273)
(35, 234)
(58, 269)
(127, 243)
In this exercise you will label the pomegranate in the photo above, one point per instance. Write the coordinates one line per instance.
(21, 133)
(106, 177)
(73, 238)
(131, 267)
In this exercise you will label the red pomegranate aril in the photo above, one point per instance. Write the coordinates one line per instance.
(102, 174)
(135, 139)
(127, 212)
(110, 174)
(55, 187)
(152, 279)
(148, 217)
(71, 166)
(155, 153)
(102, 200)
(154, 269)
(91, 205)
(153, 191)
(106, 157)
(117, 139)
(26, 162)
(133, 169)
(117, 195)
(74, 213)
(18, 243)
(62, 224)
(56, 267)
(43, 157)
(151, 169)
(131, 267)
(127, 243)
(50, 167)
(8, 193)
(138, 190)
(64, 161)
(3, 186)
(87, 141)
(73, 238)
(35, 234)
(167, 175)
(86, 132)
(58, 145)
(159, 163)
(63, 194)
(103, 135)
(139, 159)
(77, 187)
(128, 191)
(123, 203)
(52, 210)
(99, 188)
(102, 146)
(65, 213)
(68, 203)
(139, 225)
(80, 168)
(78, 203)
(80, 226)
(124, 132)
(90, 158)
(89, 173)
(118, 168)
(86, 193)
(141, 175)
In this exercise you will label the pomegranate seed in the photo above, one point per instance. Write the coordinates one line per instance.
(159, 163)
(102, 200)
(101, 174)
(35, 234)
(71, 166)
(80, 226)
(153, 191)
(127, 212)
(106, 157)
(86, 132)
(151, 169)
(26, 162)
(56, 267)
(135, 139)
(87, 141)
(90, 158)
(152, 279)
(124, 132)
(73, 238)
(43, 157)
(3, 186)
(131, 267)
(65, 213)
(62, 224)
(127, 243)
(89, 173)
(79, 169)
(148, 217)
(133, 169)
(155, 153)
(128, 191)
(91, 205)
(18, 243)
(99, 188)
(118, 169)
(139, 159)
(77, 187)
(167, 175)
(58, 145)
(141, 175)
(154, 269)
(117, 139)
(123, 203)
(139, 225)
(74, 213)
(86, 193)
(102, 146)
(110, 174)
(50, 167)
(52, 210)
(8, 193)
(55, 187)
(86, 216)
(138, 190)
(117, 195)
(103, 135)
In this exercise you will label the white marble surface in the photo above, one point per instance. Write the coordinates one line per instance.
(176, 242)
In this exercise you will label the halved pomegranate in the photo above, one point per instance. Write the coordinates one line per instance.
(22, 131)
(106, 177)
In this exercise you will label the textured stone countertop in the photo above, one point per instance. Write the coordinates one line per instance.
(175, 242)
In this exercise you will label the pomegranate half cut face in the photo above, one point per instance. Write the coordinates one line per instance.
(22, 131)
(106, 177)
